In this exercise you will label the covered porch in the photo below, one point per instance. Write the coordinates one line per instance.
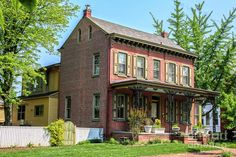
(170, 103)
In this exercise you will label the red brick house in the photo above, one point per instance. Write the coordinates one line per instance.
(107, 68)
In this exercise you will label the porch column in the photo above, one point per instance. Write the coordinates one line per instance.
(137, 94)
(170, 99)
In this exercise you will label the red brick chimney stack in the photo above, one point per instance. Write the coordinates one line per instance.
(87, 11)
(164, 34)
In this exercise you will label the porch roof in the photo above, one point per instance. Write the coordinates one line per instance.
(164, 86)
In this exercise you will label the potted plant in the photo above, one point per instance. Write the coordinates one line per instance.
(147, 125)
(175, 128)
(156, 128)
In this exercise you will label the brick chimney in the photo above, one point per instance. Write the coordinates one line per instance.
(87, 11)
(164, 34)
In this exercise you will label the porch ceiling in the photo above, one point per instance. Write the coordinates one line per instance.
(156, 86)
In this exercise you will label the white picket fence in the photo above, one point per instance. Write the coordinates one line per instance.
(21, 136)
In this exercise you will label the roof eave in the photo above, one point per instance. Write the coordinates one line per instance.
(155, 44)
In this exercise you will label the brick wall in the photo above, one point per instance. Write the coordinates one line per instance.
(76, 79)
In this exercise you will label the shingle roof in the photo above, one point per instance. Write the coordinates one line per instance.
(133, 33)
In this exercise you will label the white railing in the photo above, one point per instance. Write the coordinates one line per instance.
(21, 136)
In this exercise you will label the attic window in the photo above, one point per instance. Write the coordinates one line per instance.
(79, 36)
(90, 32)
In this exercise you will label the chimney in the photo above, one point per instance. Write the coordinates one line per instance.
(87, 11)
(164, 34)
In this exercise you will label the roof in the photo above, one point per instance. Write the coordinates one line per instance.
(161, 85)
(47, 94)
(112, 28)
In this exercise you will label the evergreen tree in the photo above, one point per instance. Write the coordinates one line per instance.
(212, 42)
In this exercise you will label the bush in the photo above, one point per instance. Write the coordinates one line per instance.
(95, 140)
(136, 120)
(226, 154)
(154, 141)
(30, 145)
(127, 142)
(84, 142)
(194, 150)
(175, 141)
(56, 130)
(112, 141)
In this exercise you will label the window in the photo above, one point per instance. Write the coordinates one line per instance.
(38, 110)
(96, 64)
(21, 112)
(79, 36)
(122, 61)
(183, 112)
(90, 32)
(172, 72)
(119, 106)
(185, 73)
(208, 119)
(156, 69)
(96, 106)
(68, 107)
(140, 67)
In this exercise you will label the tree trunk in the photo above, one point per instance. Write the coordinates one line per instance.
(7, 111)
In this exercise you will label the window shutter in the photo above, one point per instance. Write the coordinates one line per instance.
(129, 65)
(146, 68)
(176, 74)
(181, 74)
(115, 62)
(134, 66)
(190, 77)
(166, 66)
(114, 106)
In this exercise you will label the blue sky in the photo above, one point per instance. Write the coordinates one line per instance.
(135, 14)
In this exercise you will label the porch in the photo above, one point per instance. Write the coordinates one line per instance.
(170, 103)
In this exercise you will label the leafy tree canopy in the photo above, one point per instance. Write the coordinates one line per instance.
(27, 25)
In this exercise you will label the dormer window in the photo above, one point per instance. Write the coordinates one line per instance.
(79, 36)
(90, 32)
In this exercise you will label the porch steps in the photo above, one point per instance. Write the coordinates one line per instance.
(194, 141)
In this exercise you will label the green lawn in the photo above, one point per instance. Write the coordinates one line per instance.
(226, 144)
(101, 149)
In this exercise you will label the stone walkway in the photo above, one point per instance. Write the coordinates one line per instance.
(214, 153)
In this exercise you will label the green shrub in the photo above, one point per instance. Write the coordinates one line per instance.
(175, 141)
(165, 141)
(84, 142)
(112, 141)
(194, 150)
(56, 130)
(154, 141)
(136, 119)
(226, 154)
(127, 142)
(95, 140)
(30, 145)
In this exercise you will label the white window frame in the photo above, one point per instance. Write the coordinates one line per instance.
(188, 81)
(141, 67)
(67, 116)
(96, 106)
(119, 73)
(95, 73)
(156, 60)
(21, 112)
(169, 74)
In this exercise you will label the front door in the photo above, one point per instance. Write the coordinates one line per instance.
(155, 108)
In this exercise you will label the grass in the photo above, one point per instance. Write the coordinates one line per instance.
(102, 149)
(225, 144)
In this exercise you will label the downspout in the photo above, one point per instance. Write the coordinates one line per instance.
(108, 86)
